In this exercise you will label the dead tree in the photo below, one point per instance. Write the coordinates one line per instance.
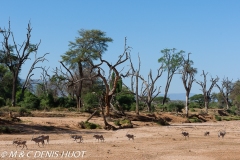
(188, 74)
(207, 93)
(134, 73)
(109, 92)
(149, 92)
(225, 89)
(14, 56)
(28, 82)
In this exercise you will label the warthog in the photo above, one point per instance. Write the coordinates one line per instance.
(221, 133)
(185, 134)
(206, 133)
(130, 136)
(75, 137)
(99, 137)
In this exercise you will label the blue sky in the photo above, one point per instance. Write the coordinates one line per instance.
(210, 30)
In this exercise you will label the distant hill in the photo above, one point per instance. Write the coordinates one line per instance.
(178, 96)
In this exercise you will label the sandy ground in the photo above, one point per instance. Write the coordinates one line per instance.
(151, 141)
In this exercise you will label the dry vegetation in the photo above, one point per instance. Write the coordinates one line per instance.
(151, 141)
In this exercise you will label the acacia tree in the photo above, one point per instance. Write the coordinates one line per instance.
(188, 74)
(235, 94)
(207, 92)
(86, 48)
(171, 63)
(14, 56)
(225, 89)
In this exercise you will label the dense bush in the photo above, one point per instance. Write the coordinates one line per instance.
(24, 111)
(2, 102)
(66, 102)
(90, 101)
(88, 125)
(30, 101)
(125, 101)
(47, 101)
(140, 106)
(218, 118)
(233, 110)
(175, 106)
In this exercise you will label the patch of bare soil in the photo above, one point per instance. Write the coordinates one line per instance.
(151, 141)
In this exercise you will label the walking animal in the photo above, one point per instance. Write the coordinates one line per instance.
(19, 143)
(44, 138)
(206, 133)
(130, 136)
(38, 140)
(99, 137)
(75, 137)
(185, 134)
(221, 133)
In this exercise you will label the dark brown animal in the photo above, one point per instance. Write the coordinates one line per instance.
(130, 136)
(99, 137)
(206, 133)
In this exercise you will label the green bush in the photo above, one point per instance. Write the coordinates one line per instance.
(90, 101)
(192, 110)
(175, 106)
(2, 102)
(88, 125)
(194, 105)
(47, 101)
(8, 109)
(66, 102)
(125, 100)
(194, 120)
(5, 129)
(24, 111)
(218, 118)
(31, 102)
(133, 107)
(8, 102)
(233, 110)
(124, 123)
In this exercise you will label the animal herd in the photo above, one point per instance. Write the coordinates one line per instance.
(42, 138)
(221, 133)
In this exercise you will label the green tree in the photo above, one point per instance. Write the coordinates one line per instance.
(235, 94)
(197, 98)
(88, 47)
(160, 99)
(171, 63)
(5, 82)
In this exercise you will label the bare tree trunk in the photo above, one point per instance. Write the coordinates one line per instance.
(186, 105)
(206, 106)
(137, 99)
(14, 90)
(80, 84)
(107, 102)
(91, 116)
(149, 107)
